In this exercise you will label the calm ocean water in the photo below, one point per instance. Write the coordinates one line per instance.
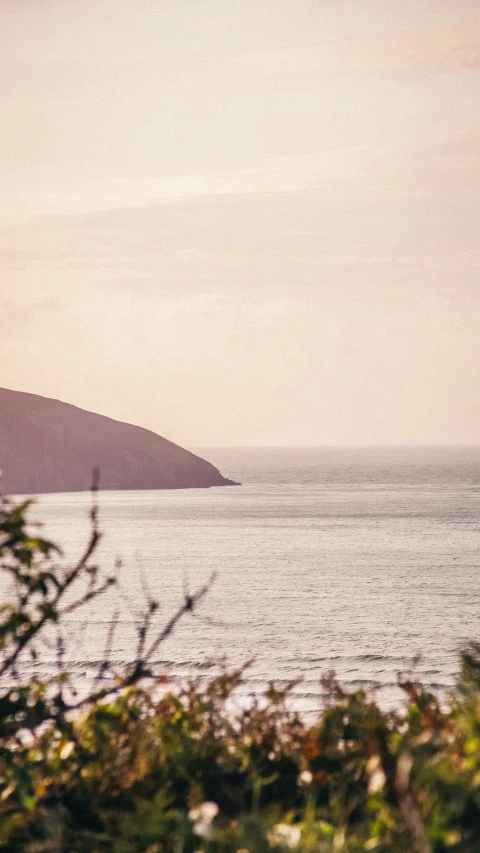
(348, 559)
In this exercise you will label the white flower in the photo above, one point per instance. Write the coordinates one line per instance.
(306, 777)
(203, 816)
(287, 836)
(377, 781)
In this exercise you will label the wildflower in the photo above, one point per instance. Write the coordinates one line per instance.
(377, 781)
(202, 816)
(306, 777)
(285, 835)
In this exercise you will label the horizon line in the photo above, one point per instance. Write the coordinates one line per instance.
(331, 446)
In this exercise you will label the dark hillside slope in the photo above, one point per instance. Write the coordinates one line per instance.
(49, 446)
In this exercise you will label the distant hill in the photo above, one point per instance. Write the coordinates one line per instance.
(49, 446)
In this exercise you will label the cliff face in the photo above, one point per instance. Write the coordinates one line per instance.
(49, 446)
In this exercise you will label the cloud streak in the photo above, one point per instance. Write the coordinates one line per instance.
(445, 48)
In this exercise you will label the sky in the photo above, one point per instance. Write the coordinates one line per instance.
(245, 223)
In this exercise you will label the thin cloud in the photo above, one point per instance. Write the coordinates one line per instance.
(450, 47)
(15, 318)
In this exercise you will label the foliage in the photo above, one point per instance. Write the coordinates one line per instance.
(134, 766)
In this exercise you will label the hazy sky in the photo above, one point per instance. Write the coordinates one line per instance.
(245, 221)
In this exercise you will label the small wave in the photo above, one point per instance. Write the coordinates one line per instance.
(300, 659)
(373, 657)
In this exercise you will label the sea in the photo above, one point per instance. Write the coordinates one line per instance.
(364, 561)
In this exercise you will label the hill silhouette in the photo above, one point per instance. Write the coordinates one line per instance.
(50, 446)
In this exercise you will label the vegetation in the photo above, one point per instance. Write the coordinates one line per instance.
(134, 766)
